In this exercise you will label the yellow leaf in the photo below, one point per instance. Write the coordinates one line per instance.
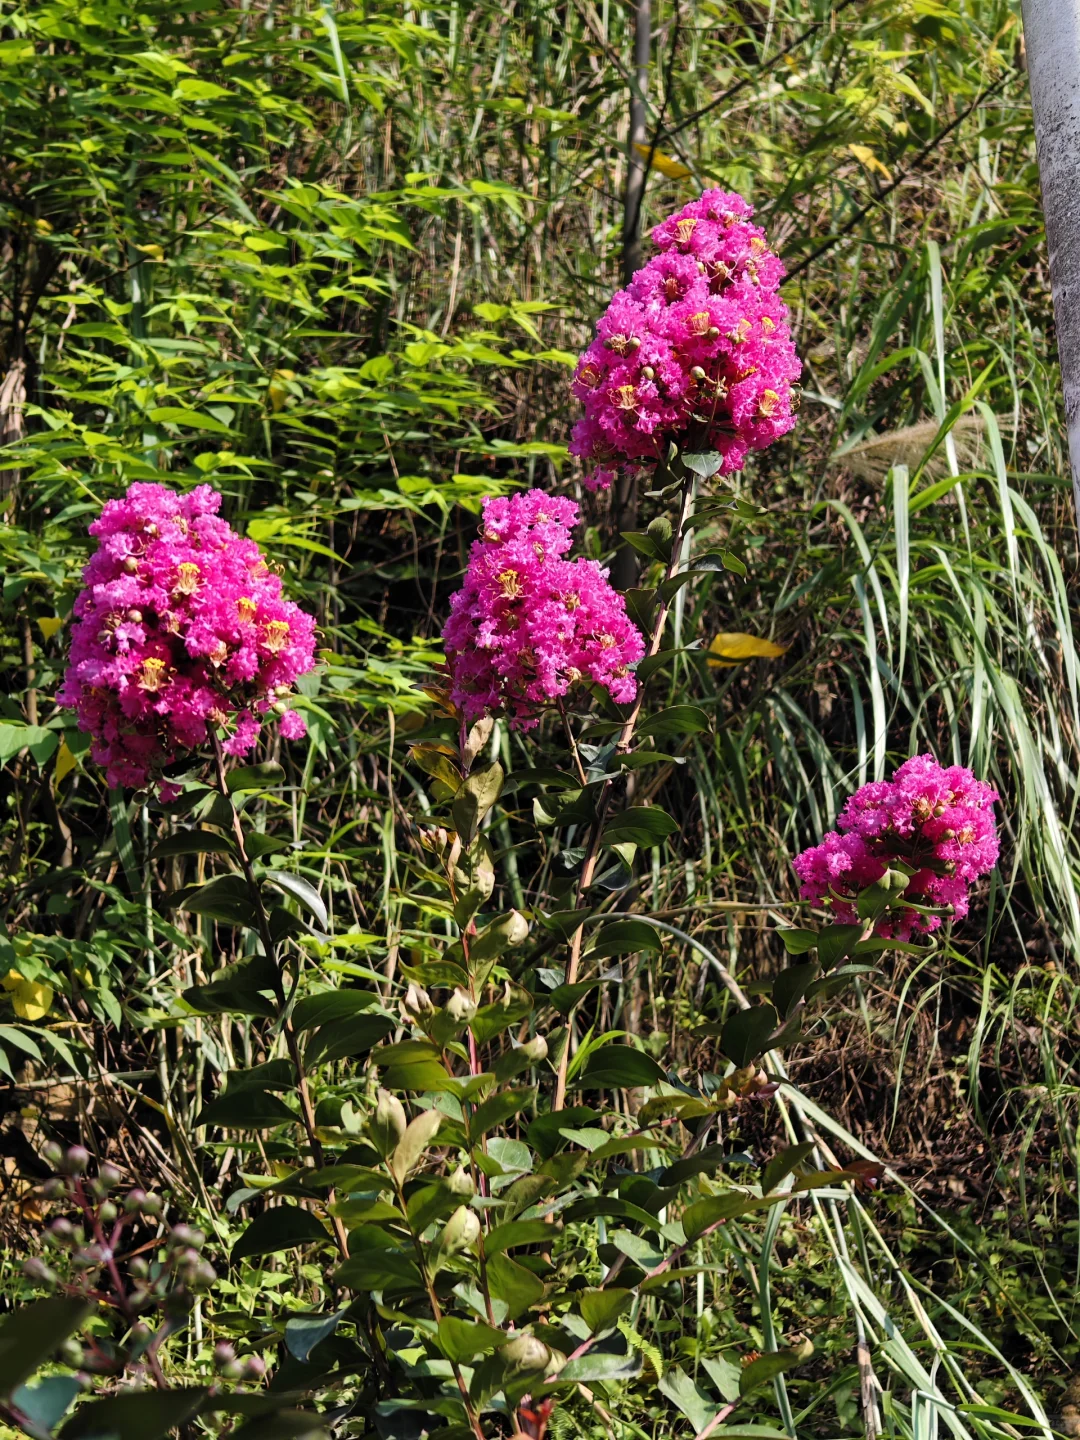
(49, 625)
(736, 645)
(65, 762)
(673, 169)
(866, 156)
(11, 980)
(32, 1000)
(155, 252)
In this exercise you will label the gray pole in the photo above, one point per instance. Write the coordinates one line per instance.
(1052, 38)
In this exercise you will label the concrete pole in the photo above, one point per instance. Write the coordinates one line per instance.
(1052, 39)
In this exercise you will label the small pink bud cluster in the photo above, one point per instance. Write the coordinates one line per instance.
(937, 821)
(528, 624)
(181, 626)
(696, 350)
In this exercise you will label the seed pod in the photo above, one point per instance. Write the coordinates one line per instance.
(461, 1007)
(461, 1183)
(76, 1160)
(108, 1176)
(134, 1201)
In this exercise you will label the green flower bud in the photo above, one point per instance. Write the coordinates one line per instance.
(461, 1007)
(387, 1125)
(460, 1232)
(525, 1352)
(461, 1183)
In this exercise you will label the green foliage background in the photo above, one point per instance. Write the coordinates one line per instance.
(338, 264)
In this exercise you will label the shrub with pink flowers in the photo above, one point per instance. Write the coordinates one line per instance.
(930, 826)
(181, 625)
(696, 350)
(528, 624)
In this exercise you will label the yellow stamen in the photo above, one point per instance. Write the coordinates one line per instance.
(769, 403)
(624, 397)
(699, 323)
(189, 578)
(684, 229)
(247, 608)
(277, 634)
(510, 581)
(153, 674)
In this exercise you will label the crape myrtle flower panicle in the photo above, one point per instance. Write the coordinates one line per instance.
(938, 820)
(697, 349)
(181, 625)
(528, 623)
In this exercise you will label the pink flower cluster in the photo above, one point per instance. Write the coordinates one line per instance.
(697, 349)
(181, 626)
(528, 623)
(937, 821)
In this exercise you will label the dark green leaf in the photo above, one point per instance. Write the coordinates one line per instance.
(698, 1407)
(282, 1425)
(521, 1232)
(601, 1308)
(304, 1332)
(255, 777)
(330, 1005)
(351, 1036)
(136, 1415)
(783, 1164)
(460, 1340)
(791, 984)
(745, 1033)
(836, 941)
(226, 898)
(625, 937)
(282, 1228)
(33, 1332)
(766, 1367)
(498, 1109)
(618, 1067)
(246, 1110)
(515, 1286)
(676, 720)
(704, 463)
(193, 842)
(644, 825)
(47, 1402)
(302, 891)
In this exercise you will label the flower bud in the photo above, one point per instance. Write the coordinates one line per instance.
(37, 1271)
(525, 1352)
(418, 1004)
(139, 1268)
(53, 1153)
(223, 1353)
(387, 1125)
(54, 1189)
(534, 1050)
(461, 1007)
(461, 1231)
(75, 1161)
(460, 1183)
(134, 1201)
(232, 1370)
(203, 1276)
(151, 1205)
(108, 1176)
(186, 1235)
(72, 1351)
(131, 565)
(107, 1212)
(254, 1367)
(62, 1231)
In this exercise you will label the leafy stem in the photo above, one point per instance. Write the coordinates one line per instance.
(307, 1110)
(625, 740)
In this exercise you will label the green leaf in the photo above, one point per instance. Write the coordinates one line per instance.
(172, 415)
(619, 1067)
(625, 937)
(698, 1407)
(226, 898)
(284, 1227)
(193, 842)
(644, 825)
(246, 1110)
(797, 942)
(136, 1415)
(302, 891)
(705, 463)
(304, 1332)
(46, 1403)
(791, 985)
(498, 1109)
(33, 1333)
(460, 1340)
(413, 1145)
(597, 1367)
(745, 1033)
(517, 1287)
(676, 720)
(766, 1367)
(601, 1308)
(376, 1269)
(352, 1036)
(783, 1164)
(520, 1232)
(413, 1065)
(282, 1425)
(873, 902)
(254, 777)
(477, 795)
(646, 544)
(836, 941)
(330, 1005)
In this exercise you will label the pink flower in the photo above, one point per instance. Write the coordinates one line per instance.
(938, 821)
(527, 624)
(181, 625)
(292, 725)
(697, 349)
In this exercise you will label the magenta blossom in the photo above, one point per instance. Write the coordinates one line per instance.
(937, 821)
(697, 349)
(181, 626)
(528, 624)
